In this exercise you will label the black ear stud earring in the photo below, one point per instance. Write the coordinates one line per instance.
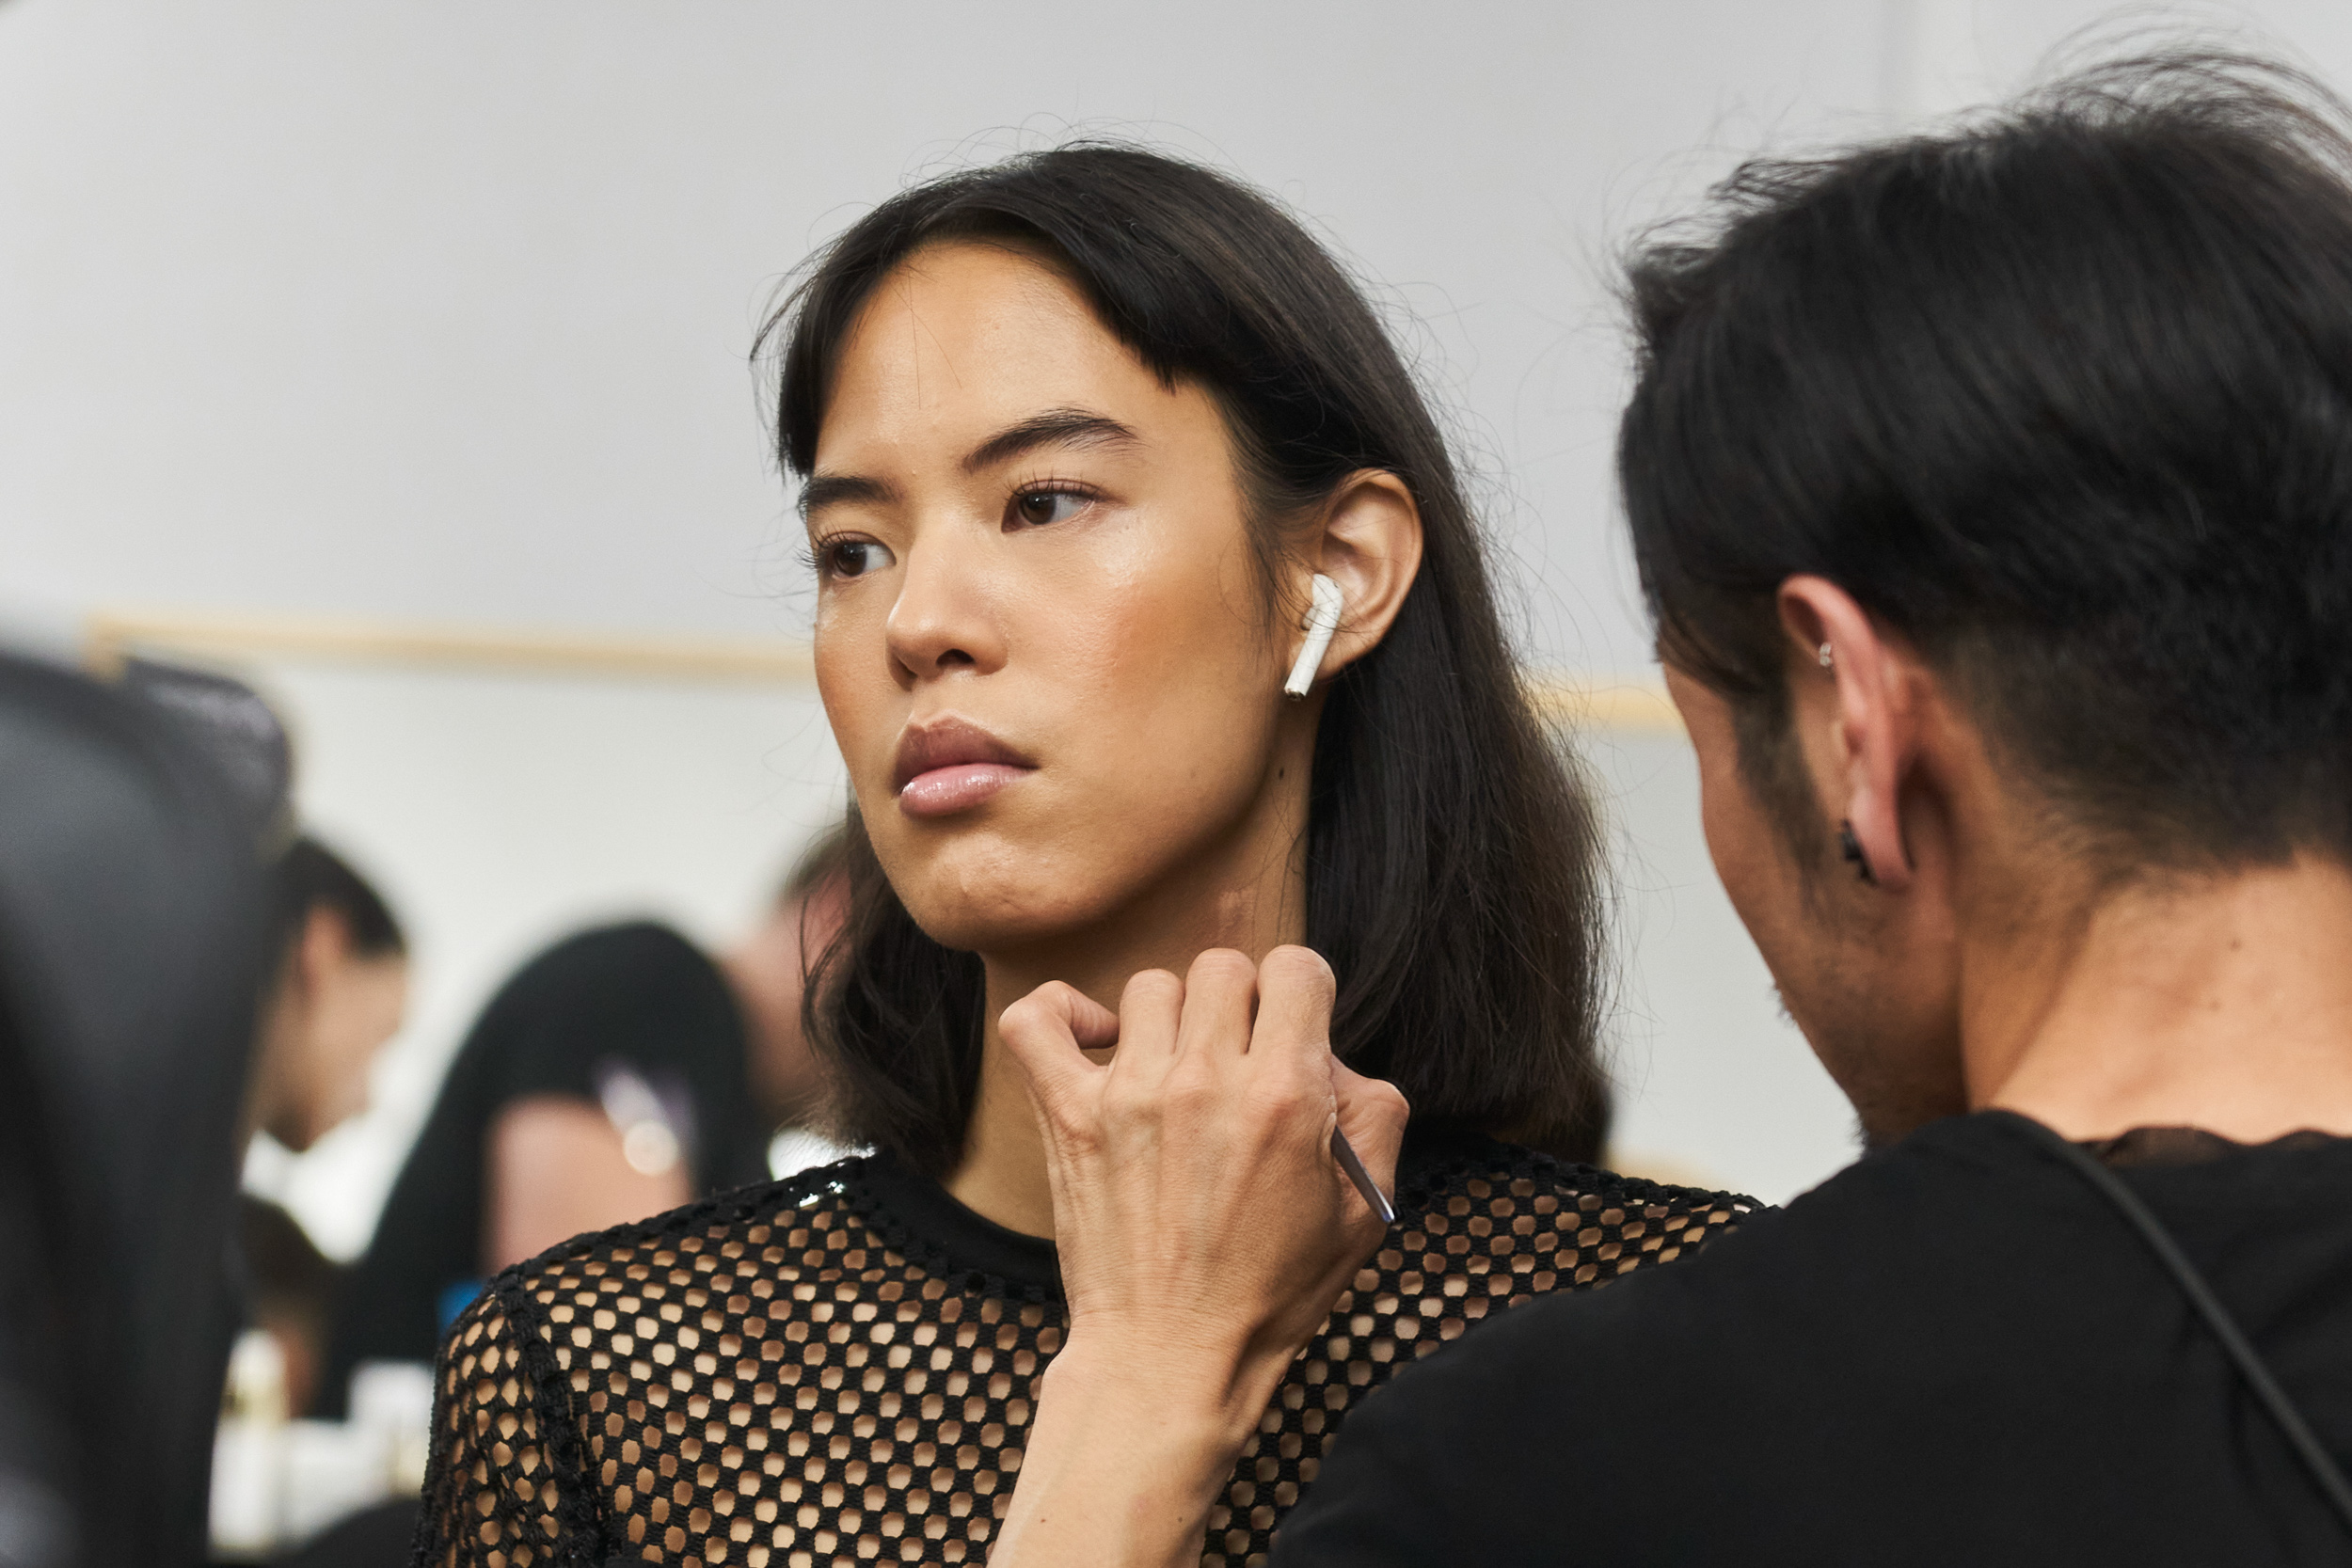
(1850, 847)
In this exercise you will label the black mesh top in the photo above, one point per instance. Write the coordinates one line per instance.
(838, 1367)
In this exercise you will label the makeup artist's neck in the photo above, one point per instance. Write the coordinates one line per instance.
(1002, 1176)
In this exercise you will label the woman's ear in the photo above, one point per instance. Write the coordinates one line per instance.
(1369, 543)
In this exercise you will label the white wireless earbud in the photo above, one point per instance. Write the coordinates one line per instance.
(1323, 619)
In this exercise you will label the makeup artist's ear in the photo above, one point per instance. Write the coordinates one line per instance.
(1370, 544)
(1853, 707)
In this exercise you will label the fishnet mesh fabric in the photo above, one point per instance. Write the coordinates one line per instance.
(786, 1378)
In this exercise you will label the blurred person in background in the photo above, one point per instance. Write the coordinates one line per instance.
(338, 996)
(618, 1074)
(341, 991)
(769, 971)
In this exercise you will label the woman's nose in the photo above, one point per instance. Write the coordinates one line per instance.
(943, 618)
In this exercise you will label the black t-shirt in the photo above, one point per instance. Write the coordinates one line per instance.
(638, 999)
(1955, 1351)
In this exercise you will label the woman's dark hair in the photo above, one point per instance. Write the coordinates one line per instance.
(2063, 398)
(311, 876)
(1452, 862)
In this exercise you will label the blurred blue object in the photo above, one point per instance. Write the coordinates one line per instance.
(455, 1299)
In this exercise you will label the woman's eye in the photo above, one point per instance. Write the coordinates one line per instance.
(1038, 507)
(851, 558)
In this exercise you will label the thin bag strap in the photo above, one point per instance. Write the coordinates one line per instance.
(2322, 1467)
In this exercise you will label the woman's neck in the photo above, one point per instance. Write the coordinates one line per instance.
(1248, 894)
(2223, 1002)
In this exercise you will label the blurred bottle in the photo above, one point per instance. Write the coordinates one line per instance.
(278, 1483)
(395, 1399)
(248, 1452)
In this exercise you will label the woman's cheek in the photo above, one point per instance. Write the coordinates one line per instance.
(855, 709)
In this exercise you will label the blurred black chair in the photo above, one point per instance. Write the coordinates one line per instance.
(133, 949)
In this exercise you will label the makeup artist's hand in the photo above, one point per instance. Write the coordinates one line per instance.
(1204, 1232)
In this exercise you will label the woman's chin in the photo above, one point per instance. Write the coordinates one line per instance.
(1011, 881)
(991, 928)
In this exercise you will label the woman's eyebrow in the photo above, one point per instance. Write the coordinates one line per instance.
(823, 490)
(1056, 427)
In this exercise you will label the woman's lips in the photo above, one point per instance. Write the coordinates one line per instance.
(943, 791)
(952, 765)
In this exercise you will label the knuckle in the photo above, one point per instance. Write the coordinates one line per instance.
(1294, 1089)
(1223, 964)
(1189, 1087)
(1276, 1104)
(1299, 968)
(1123, 1110)
(1287, 1086)
(1152, 985)
(1123, 1113)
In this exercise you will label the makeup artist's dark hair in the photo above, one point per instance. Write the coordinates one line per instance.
(1451, 860)
(2064, 399)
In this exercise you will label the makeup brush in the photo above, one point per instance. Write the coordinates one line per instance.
(1345, 1154)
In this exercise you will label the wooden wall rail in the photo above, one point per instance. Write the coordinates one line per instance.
(112, 635)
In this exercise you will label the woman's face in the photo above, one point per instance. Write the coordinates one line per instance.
(1041, 638)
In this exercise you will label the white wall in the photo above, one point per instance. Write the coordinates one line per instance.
(432, 308)
(436, 310)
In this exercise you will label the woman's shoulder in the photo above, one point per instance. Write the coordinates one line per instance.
(807, 1223)
(644, 1290)
(688, 1361)
(669, 1311)
(1481, 1226)
(1471, 1204)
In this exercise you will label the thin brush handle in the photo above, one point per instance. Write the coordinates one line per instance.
(1345, 1154)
